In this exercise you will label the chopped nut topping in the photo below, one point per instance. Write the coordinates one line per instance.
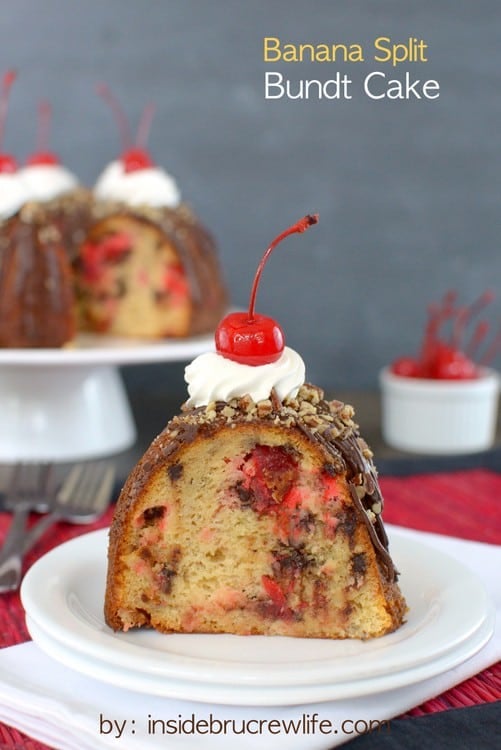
(330, 419)
(264, 408)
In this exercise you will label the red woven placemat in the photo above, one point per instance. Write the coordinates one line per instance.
(465, 504)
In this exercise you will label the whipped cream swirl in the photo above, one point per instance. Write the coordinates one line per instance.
(47, 181)
(148, 187)
(212, 377)
(13, 194)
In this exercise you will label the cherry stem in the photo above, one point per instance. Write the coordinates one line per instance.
(478, 336)
(301, 226)
(492, 350)
(8, 80)
(121, 120)
(466, 315)
(144, 127)
(44, 120)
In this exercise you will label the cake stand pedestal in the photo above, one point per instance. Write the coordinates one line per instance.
(78, 414)
(63, 405)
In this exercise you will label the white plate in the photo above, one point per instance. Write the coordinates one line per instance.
(450, 619)
(93, 349)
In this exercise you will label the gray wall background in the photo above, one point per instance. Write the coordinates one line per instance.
(409, 193)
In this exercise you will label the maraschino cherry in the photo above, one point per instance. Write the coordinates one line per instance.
(450, 358)
(134, 156)
(8, 164)
(42, 155)
(248, 337)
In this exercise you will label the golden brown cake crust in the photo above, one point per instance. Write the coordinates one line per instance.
(329, 430)
(37, 245)
(37, 302)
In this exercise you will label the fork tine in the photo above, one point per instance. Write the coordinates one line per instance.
(70, 482)
(14, 481)
(97, 489)
(89, 480)
(84, 482)
(28, 482)
(44, 479)
(103, 493)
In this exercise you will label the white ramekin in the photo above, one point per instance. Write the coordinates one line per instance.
(439, 416)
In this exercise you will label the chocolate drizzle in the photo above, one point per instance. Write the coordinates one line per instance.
(349, 450)
(357, 464)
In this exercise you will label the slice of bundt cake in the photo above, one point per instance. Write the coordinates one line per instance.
(254, 518)
(257, 510)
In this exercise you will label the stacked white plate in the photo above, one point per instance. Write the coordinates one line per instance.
(450, 619)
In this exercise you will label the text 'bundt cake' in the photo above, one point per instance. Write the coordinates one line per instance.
(257, 510)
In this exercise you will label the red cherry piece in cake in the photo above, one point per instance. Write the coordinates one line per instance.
(95, 255)
(90, 259)
(42, 155)
(175, 282)
(8, 165)
(116, 246)
(274, 591)
(249, 338)
(269, 473)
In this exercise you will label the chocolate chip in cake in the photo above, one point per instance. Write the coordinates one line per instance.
(168, 571)
(244, 494)
(359, 563)
(153, 514)
(288, 560)
(165, 577)
(120, 288)
(306, 521)
(175, 471)
(330, 469)
(348, 522)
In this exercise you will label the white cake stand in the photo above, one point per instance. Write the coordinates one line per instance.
(70, 404)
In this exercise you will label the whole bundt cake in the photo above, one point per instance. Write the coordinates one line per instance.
(257, 510)
(126, 259)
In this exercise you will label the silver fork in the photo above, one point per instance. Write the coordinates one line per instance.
(83, 497)
(28, 488)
